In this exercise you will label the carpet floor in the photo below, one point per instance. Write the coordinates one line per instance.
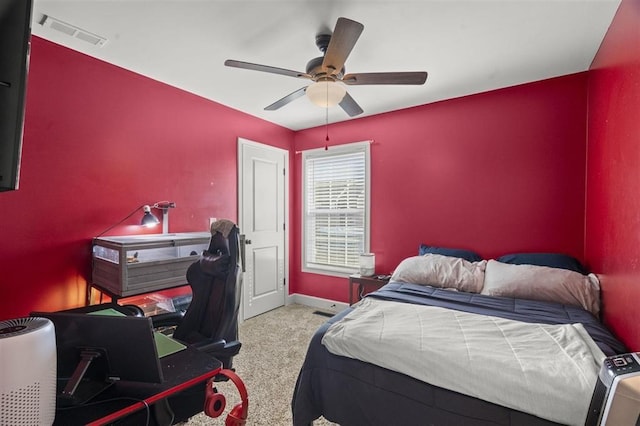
(273, 348)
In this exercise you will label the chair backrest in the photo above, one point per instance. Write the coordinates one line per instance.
(216, 283)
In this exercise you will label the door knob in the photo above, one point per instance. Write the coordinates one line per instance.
(243, 243)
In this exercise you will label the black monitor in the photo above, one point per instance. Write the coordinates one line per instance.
(95, 351)
(15, 38)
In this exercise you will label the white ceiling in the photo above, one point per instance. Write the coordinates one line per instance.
(466, 46)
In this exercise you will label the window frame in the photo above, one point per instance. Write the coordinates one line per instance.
(349, 148)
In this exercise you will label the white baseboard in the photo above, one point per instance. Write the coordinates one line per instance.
(325, 305)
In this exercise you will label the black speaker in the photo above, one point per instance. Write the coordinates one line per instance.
(15, 38)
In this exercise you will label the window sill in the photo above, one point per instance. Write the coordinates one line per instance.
(331, 273)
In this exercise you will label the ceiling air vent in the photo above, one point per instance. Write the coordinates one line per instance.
(72, 31)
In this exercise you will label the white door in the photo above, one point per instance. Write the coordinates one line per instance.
(262, 213)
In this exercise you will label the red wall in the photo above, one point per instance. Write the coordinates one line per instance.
(498, 172)
(613, 182)
(100, 141)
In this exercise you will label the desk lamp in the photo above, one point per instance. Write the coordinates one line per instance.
(149, 218)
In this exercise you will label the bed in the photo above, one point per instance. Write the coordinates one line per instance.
(351, 376)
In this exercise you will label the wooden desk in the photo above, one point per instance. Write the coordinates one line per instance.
(374, 282)
(181, 370)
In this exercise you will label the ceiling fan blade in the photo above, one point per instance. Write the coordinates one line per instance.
(290, 97)
(265, 68)
(350, 106)
(342, 41)
(417, 77)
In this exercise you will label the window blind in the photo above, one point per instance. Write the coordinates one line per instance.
(335, 209)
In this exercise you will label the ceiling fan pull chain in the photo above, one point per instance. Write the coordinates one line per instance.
(326, 147)
(326, 120)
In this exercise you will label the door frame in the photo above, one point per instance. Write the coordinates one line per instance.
(240, 143)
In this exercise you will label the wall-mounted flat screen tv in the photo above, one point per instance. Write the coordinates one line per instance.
(15, 37)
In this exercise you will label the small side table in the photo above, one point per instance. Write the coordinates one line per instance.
(375, 282)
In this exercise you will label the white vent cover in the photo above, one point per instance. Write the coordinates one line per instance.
(27, 372)
(72, 31)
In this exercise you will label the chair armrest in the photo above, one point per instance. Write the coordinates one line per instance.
(210, 346)
(167, 319)
(219, 348)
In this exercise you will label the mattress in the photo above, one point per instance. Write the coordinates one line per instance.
(352, 392)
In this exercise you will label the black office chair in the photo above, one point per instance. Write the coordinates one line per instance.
(210, 322)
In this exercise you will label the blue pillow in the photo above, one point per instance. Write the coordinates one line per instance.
(451, 252)
(552, 260)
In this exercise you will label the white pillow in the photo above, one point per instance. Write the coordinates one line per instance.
(441, 271)
(542, 283)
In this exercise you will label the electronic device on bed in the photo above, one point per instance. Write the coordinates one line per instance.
(616, 397)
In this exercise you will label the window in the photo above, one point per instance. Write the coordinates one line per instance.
(336, 208)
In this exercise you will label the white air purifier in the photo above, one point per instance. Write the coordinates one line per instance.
(27, 372)
(616, 397)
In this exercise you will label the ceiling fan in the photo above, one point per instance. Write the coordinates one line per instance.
(328, 73)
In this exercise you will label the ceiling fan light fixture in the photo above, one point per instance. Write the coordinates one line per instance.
(326, 93)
